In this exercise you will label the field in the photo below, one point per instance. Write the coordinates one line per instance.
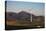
(20, 24)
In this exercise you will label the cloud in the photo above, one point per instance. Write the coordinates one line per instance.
(33, 11)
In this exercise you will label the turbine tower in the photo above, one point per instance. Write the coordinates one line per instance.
(31, 14)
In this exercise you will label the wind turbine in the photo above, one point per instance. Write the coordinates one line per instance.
(31, 14)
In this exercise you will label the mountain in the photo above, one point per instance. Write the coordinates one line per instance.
(23, 15)
(20, 15)
(11, 15)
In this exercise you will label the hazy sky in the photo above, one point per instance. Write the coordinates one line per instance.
(35, 8)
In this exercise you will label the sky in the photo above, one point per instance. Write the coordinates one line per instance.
(31, 7)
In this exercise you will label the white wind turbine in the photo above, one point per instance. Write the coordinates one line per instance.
(30, 10)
